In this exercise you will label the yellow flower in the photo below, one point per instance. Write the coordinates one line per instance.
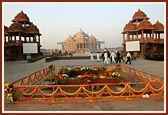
(6, 84)
(64, 76)
(9, 94)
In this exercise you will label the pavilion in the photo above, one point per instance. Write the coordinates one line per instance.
(150, 36)
(19, 32)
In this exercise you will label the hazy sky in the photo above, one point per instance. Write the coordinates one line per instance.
(105, 21)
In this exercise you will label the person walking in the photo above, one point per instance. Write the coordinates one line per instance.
(98, 57)
(105, 57)
(91, 57)
(108, 56)
(118, 58)
(128, 58)
(113, 56)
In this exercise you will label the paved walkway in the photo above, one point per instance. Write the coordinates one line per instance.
(18, 69)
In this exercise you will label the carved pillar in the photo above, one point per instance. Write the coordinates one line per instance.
(15, 39)
(153, 34)
(8, 38)
(19, 37)
(146, 35)
(84, 45)
(136, 35)
(25, 39)
(39, 39)
(156, 35)
(142, 35)
(127, 36)
(29, 39)
(33, 39)
(123, 39)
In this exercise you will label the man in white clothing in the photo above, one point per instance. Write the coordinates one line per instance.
(112, 56)
(105, 57)
(98, 57)
(91, 57)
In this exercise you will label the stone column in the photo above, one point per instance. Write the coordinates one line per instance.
(8, 38)
(15, 38)
(29, 39)
(153, 34)
(19, 37)
(156, 36)
(146, 35)
(132, 36)
(136, 35)
(39, 39)
(35, 38)
(25, 39)
(142, 35)
(128, 36)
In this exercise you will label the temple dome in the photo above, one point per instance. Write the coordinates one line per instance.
(69, 38)
(92, 38)
(22, 18)
(81, 34)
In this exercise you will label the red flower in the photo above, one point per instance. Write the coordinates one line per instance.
(59, 77)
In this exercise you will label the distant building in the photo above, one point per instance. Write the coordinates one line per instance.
(80, 42)
(19, 32)
(150, 36)
(46, 52)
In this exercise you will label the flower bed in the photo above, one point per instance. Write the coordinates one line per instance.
(83, 75)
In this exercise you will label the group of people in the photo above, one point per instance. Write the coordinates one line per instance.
(112, 57)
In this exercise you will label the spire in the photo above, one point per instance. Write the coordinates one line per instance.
(81, 29)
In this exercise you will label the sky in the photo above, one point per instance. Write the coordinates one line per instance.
(56, 21)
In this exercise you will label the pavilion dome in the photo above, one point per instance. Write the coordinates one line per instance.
(21, 17)
(145, 24)
(16, 27)
(32, 29)
(159, 26)
(139, 15)
(129, 27)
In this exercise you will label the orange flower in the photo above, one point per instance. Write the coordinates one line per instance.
(59, 77)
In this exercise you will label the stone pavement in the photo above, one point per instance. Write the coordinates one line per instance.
(18, 69)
